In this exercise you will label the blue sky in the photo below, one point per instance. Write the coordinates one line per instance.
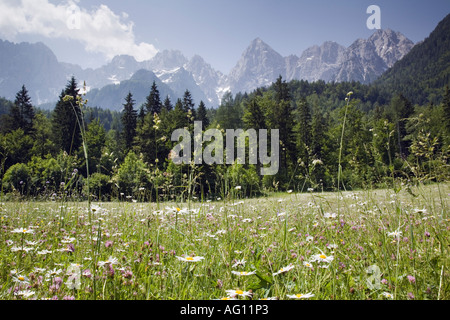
(219, 31)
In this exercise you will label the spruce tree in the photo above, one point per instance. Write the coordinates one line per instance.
(402, 109)
(22, 112)
(202, 115)
(317, 134)
(303, 129)
(65, 127)
(188, 103)
(129, 122)
(167, 104)
(254, 116)
(141, 115)
(446, 106)
(153, 104)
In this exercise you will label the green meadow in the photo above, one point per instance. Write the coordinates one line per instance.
(359, 245)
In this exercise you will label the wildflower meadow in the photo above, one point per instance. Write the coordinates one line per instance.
(360, 245)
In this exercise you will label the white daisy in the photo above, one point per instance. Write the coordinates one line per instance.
(24, 293)
(387, 295)
(44, 252)
(284, 269)
(240, 293)
(22, 230)
(395, 234)
(191, 259)
(239, 263)
(243, 273)
(21, 279)
(322, 258)
(110, 260)
(300, 296)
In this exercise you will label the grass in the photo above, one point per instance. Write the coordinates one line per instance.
(138, 250)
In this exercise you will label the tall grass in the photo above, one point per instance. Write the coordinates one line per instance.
(268, 234)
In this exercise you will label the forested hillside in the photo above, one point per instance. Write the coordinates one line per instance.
(336, 135)
(424, 71)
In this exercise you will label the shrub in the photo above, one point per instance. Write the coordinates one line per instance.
(17, 178)
(100, 186)
(132, 175)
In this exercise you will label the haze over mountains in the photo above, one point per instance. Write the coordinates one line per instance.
(36, 66)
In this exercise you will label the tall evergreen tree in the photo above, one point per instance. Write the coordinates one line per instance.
(67, 113)
(153, 104)
(303, 129)
(129, 122)
(446, 106)
(317, 133)
(402, 109)
(281, 90)
(167, 104)
(22, 112)
(254, 115)
(202, 115)
(188, 103)
(179, 116)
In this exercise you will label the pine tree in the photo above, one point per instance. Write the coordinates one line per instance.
(188, 103)
(317, 133)
(153, 104)
(65, 126)
(22, 112)
(254, 116)
(141, 115)
(402, 109)
(446, 106)
(303, 129)
(202, 115)
(281, 90)
(129, 122)
(167, 104)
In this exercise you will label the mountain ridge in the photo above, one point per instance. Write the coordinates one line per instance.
(364, 60)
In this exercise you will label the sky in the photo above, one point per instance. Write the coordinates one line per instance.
(92, 32)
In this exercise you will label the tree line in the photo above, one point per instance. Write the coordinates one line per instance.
(332, 136)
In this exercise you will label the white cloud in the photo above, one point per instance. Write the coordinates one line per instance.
(100, 30)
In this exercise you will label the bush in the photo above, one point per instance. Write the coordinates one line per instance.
(132, 175)
(46, 174)
(17, 178)
(100, 186)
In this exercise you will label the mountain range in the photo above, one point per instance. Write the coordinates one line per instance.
(37, 67)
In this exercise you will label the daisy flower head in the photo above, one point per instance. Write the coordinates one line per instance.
(307, 264)
(243, 273)
(22, 230)
(226, 298)
(21, 279)
(322, 258)
(190, 259)
(24, 293)
(238, 293)
(300, 296)
(395, 234)
(239, 263)
(387, 295)
(284, 269)
(110, 260)
(330, 215)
